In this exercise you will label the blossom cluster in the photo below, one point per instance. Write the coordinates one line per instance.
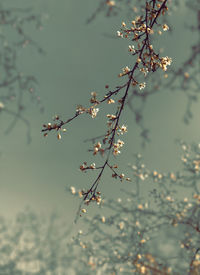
(146, 61)
(141, 228)
(131, 234)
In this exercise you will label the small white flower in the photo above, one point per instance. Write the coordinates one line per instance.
(123, 129)
(116, 152)
(73, 190)
(165, 27)
(120, 143)
(142, 85)
(131, 48)
(126, 69)
(165, 61)
(94, 112)
(119, 34)
(93, 166)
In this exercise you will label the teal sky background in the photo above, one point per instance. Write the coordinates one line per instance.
(79, 59)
